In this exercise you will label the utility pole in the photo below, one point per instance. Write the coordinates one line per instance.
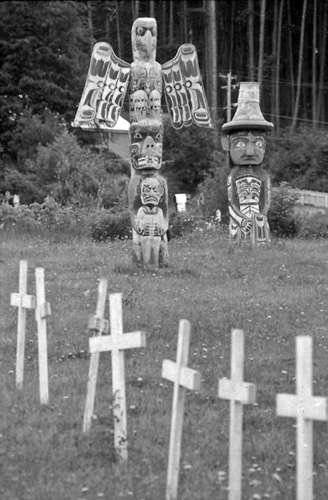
(231, 84)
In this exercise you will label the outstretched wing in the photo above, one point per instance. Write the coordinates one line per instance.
(184, 91)
(104, 90)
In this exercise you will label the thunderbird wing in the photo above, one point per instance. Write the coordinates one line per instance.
(184, 91)
(104, 90)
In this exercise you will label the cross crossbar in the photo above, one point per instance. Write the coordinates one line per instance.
(312, 408)
(243, 392)
(110, 343)
(188, 378)
(22, 300)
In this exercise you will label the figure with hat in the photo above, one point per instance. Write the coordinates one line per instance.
(248, 183)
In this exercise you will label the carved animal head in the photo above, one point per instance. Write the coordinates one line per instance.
(144, 39)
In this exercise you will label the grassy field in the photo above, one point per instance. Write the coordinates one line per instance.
(272, 294)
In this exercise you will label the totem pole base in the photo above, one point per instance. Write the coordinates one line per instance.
(150, 252)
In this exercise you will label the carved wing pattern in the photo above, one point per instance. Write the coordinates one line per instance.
(104, 90)
(184, 91)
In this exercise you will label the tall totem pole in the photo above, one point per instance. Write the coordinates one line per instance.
(108, 80)
(248, 186)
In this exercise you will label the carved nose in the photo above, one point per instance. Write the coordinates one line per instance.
(250, 149)
(149, 144)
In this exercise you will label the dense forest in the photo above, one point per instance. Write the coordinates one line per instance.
(45, 50)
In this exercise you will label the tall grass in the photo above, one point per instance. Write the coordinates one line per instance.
(274, 294)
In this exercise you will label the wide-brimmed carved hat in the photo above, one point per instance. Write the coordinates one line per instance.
(248, 114)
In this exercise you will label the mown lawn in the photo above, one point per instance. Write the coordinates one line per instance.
(272, 294)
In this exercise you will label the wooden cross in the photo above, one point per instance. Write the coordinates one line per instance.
(183, 378)
(98, 325)
(305, 408)
(42, 311)
(117, 342)
(239, 393)
(23, 302)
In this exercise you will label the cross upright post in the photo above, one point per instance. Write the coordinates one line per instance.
(42, 311)
(98, 325)
(239, 393)
(23, 301)
(305, 408)
(117, 342)
(183, 378)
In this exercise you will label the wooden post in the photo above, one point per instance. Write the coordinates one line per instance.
(23, 302)
(183, 378)
(239, 393)
(117, 342)
(98, 325)
(42, 310)
(305, 408)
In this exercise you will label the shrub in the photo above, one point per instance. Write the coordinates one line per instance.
(281, 216)
(313, 226)
(111, 226)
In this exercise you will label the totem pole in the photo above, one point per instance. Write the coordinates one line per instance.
(248, 183)
(108, 80)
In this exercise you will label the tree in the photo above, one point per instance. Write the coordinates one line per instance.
(300, 65)
(43, 53)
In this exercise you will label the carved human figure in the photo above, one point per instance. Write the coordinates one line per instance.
(150, 243)
(248, 183)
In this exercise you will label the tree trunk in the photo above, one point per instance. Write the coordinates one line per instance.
(251, 39)
(300, 66)
(261, 44)
(322, 60)
(277, 94)
(212, 38)
(232, 34)
(274, 56)
(171, 22)
(118, 32)
(90, 25)
(314, 66)
(291, 57)
(151, 8)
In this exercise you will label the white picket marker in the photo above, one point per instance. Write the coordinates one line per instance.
(183, 378)
(42, 311)
(23, 301)
(99, 325)
(117, 342)
(239, 393)
(305, 408)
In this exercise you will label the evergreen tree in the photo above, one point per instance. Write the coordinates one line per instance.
(44, 54)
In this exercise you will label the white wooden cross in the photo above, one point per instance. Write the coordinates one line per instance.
(117, 342)
(239, 393)
(23, 301)
(42, 311)
(98, 325)
(183, 378)
(305, 408)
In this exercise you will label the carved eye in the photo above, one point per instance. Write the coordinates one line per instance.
(259, 143)
(158, 137)
(140, 30)
(240, 144)
(137, 135)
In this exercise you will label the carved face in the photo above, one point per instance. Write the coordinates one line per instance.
(155, 103)
(248, 189)
(144, 39)
(146, 137)
(246, 148)
(151, 191)
(138, 105)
